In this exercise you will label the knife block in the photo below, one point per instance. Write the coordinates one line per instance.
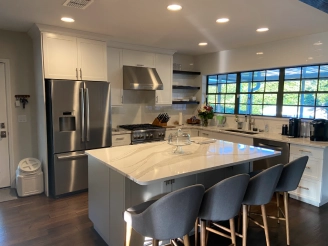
(156, 122)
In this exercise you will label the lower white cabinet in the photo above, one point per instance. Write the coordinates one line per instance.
(313, 186)
(121, 139)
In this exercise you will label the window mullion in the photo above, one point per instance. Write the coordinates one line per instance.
(280, 96)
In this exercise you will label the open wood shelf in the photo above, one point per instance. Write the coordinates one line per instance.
(186, 72)
(185, 102)
(185, 87)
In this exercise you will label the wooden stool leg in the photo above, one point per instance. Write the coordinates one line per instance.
(208, 223)
(238, 224)
(186, 241)
(278, 206)
(265, 223)
(202, 232)
(128, 234)
(286, 216)
(155, 242)
(196, 232)
(233, 232)
(245, 224)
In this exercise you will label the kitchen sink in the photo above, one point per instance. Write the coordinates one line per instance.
(240, 131)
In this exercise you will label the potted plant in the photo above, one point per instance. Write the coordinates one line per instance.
(205, 113)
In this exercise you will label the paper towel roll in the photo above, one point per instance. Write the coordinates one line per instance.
(180, 118)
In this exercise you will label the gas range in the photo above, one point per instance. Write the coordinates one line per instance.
(143, 133)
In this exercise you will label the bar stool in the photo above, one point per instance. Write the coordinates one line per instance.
(289, 180)
(170, 217)
(259, 192)
(221, 202)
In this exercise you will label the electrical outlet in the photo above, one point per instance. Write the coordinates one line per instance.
(22, 118)
(17, 103)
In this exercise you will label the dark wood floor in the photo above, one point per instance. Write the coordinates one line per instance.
(39, 220)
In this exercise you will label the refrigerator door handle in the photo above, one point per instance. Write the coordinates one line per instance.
(82, 114)
(66, 157)
(87, 108)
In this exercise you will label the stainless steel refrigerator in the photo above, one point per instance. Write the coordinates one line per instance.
(78, 119)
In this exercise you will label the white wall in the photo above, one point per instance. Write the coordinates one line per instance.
(284, 53)
(17, 47)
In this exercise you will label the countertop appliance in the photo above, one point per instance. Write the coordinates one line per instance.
(143, 133)
(319, 130)
(273, 145)
(78, 119)
(294, 127)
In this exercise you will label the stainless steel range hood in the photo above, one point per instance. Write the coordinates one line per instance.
(141, 78)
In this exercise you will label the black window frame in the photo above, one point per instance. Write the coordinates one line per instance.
(280, 93)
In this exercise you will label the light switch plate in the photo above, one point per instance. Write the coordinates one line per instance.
(22, 118)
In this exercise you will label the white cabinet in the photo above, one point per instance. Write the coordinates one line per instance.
(121, 139)
(313, 186)
(164, 65)
(67, 57)
(115, 75)
(138, 58)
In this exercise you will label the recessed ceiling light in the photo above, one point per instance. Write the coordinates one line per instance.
(310, 58)
(262, 29)
(174, 7)
(222, 20)
(202, 44)
(67, 19)
(318, 43)
(259, 53)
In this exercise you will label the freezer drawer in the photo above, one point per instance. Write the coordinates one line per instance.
(70, 172)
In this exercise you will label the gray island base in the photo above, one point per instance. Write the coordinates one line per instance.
(125, 176)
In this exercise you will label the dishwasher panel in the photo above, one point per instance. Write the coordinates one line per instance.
(273, 145)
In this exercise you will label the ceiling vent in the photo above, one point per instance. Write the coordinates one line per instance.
(318, 4)
(78, 4)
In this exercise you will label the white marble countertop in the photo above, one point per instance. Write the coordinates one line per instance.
(263, 135)
(153, 162)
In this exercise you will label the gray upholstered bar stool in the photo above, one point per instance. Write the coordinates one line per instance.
(170, 217)
(221, 202)
(259, 192)
(289, 180)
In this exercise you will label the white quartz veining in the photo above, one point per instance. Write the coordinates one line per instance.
(153, 162)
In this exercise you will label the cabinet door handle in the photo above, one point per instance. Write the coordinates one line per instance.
(81, 73)
(302, 187)
(119, 138)
(77, 74)
(307, 151)
(206, 134)
(308, 167)
(121, 99)
(157, 99)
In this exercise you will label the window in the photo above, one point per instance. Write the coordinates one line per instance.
(288, 92)
(221, 90)
(259, 92)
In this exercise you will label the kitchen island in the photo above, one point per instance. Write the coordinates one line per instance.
(121, 177)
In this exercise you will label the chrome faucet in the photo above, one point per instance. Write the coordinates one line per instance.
(249, 119)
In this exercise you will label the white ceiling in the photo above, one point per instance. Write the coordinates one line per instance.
(148, 22)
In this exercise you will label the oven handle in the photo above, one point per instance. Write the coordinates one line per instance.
(269, 146)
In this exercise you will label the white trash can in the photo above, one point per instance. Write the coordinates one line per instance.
(29, 177)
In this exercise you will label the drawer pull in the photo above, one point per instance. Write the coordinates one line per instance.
(206, 134)
(307, 151)
(119, 138)
(308, 167)
(301, 187)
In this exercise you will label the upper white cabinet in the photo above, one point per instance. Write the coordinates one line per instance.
(115, 75)
(163, 64)
(138, 58)
(67, 57)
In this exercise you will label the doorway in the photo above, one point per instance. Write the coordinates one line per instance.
(4, 140)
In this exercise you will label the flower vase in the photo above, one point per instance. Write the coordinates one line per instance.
(204, 122)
